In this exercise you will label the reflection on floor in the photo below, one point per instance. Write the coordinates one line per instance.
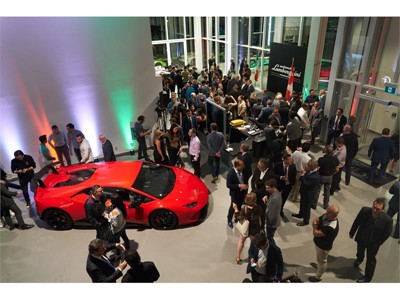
(203, 253)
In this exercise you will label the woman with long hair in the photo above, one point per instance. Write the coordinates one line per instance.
(174, 143)
(242, 107)
(159, 152)
(251, 212)
(116, 214)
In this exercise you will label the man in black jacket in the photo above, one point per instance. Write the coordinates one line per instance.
(98, 265)
(7, 204)
(286, 173)
(373, 227)
(94, 209)
(351, 143)
(139, 271)
(265, 260)
(23, 165)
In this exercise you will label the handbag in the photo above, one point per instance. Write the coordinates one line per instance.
(243, 227)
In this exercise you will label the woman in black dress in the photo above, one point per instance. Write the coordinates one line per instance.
(159, 152)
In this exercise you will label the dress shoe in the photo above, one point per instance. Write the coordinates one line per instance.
(230, 224)
(214, 180)
(363, 280)
(302, 224)
(313, 206)
(238, 260)
(140, 157)
(298, 216)
(326, 206)
(331, 193)
(356, 264)
(313, 279)
(12, 228)
(338, 189)
(27, 226)
(347, 183)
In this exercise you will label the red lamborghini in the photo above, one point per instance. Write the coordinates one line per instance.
(156, 195)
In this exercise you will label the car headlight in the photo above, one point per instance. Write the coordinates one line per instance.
(191, 205)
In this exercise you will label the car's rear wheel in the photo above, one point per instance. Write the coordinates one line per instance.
(58, 219)
(163, 219)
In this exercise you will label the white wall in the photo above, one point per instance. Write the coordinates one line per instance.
(94, 72)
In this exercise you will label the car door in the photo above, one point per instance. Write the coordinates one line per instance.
(135, 203)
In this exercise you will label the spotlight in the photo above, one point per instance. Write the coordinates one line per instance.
(132, 152)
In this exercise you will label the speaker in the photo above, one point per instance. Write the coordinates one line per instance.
(164, 99)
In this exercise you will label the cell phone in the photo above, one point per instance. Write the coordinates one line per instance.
(253, 265)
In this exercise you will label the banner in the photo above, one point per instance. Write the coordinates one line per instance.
(280, 62)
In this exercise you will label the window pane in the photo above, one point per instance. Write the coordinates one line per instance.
(213, 27)
(306, 31)
(242, 53)
(175, 28)
(221, 57)
(203, 27)
(157, 25)
(189, 27)
(177, 55)
(191, 57)
(291, 27)
(222, 28)
(257, 31)
(243, 30)
(205, 54)
(160, 55)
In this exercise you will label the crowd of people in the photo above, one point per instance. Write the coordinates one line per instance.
(285, 171)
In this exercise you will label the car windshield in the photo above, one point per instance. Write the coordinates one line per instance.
(155, 180)
(76, 177)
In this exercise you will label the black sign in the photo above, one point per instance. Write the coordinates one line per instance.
(280, 61)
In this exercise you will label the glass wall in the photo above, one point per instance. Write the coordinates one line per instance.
(173, 41)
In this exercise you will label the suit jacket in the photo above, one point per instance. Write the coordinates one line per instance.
(186, 125)
(279, 171)
(101, 271)
(351, 143)
(316, 116)
(259, 184)
(377, 233)
(341, 124)
(6, 196)
(309, 184)
(274, 266)
(232, 183)
(108, 151)
(145, 272)
(293, 129)
(247, 159)
(381, 149)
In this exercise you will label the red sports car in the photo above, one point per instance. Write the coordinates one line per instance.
(156, 195)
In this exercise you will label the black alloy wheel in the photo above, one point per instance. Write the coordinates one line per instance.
(163, 219)
(58, 219)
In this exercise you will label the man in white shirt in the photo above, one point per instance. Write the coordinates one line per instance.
(86, 151)
(300, 160)
(340, 152)
(194, 151)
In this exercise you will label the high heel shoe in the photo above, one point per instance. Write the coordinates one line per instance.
(238, 260)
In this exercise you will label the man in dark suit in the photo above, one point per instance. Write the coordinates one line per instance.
(327, 167)
(237, 183)
(108, 151)
(351, 143)
(335, 125)
(260, 176)
(139, 271)
(98, 265)
(373, 227)
(7, 203)
(94, 209)
(316, 116)
(380, 151)
(308, 188)
(250, 89)
(286, 172)
(267, 258)
(189, 121)
(247, 158)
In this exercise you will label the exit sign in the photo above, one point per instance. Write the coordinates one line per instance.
(390, 89)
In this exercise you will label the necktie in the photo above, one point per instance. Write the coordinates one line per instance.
(240, 178)
(191, 122)
(336, 123)
(286, 174)
(105, 258)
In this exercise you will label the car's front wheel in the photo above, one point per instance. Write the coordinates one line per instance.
(58, 219)
(163, 219)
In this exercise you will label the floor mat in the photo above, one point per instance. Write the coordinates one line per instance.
(360, 170)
